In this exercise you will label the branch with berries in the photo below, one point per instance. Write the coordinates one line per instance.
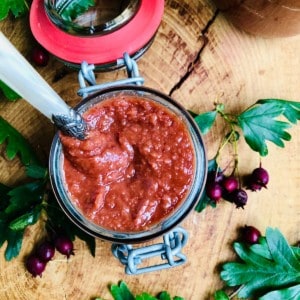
(259, 123)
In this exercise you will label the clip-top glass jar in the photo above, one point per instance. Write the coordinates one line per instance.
(97, 18)
(192, 196)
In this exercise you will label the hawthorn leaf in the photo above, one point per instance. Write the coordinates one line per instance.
(257, 273)
(205, 121)
(121, 292)
(4, 197)
(36, 171)
(75, 8)
(14, 243)
(27, 219)
(17, 7)
(221, 295)
(164, 296)
(24, 196)
(16, 144)
(146, 296)
(281, 251)
(250, 257)
(10, 94)
(291, 109)
(290, 293)
(259, 125)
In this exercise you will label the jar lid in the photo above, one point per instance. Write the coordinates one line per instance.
(98, 50)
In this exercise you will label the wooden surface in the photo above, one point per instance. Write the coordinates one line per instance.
(197, 57)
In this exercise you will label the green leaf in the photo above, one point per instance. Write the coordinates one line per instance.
(24, 196)
(259, 125)
(257, 273)
(35, 171)
(296, 251)
(14, 243)
(121, 292)
(164, 296)
(205, 121)
(17, 7)
(281, 251)
(221, 295)
(4, 197)
(250, 257)
(27, 219)
(204, 199)
(145, 296)
(262, 248)
(291, 293)
(10, 94)
(74, 9)
(16, 144)
(291, 109)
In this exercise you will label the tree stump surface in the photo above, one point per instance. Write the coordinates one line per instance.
(197, 58)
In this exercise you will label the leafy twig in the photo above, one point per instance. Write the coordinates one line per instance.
(122, 292)
(270, 269)
(23, 205)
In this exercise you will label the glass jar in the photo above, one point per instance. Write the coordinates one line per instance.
(100, 17)
(171, 220)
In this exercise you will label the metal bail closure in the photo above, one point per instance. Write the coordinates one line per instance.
(87, 82)
(169, 251)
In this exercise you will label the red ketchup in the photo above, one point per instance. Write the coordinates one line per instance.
(134, 168)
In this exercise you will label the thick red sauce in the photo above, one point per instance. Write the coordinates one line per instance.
(135, 166)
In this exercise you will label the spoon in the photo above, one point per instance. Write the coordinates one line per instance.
(17, 73)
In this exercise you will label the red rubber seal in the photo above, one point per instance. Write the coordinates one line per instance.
(98, 50)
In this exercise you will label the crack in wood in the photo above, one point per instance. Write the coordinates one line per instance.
(191, 66)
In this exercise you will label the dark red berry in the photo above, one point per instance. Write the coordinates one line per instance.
(215, 176)
(40, 56)
(45, 251)
(239, 197)
(64, 245)
(214, 191)
(253, 186)
(35, 265)
(250, 234)
(230, 184)
(260, 176)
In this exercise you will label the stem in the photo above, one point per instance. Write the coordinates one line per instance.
(223, 144)
(233, 294)
(231, 121)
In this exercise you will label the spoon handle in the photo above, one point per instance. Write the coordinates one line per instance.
(19, 75)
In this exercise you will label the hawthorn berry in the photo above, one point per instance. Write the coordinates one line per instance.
(45, 251)
(40, 56)
(214, 191)
(35, 265)
(230, 184)
(239, 197)
(250, 234)
(64, 245)
(258, 179)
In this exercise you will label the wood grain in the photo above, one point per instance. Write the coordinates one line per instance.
(197, 57)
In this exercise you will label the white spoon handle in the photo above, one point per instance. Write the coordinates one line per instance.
(19, 75)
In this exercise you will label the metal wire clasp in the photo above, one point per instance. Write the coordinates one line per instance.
(87, 81)
(169, 251)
